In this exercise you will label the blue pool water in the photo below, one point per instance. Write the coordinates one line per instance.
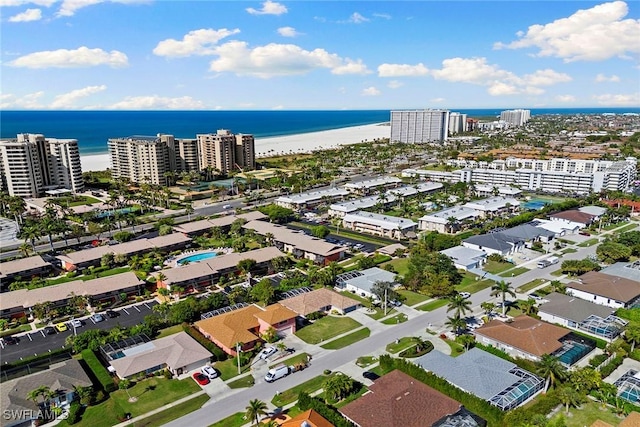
(535, 204)
(196, 257)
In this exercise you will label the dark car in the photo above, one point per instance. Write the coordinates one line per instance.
(10, 340)
(111, 314)
(201, 378)
(370, 375)
(49, 330)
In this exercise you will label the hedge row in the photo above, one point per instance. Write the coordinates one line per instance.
(218, 353)
(306, 402)
(597, 360)
(527, 365)
(607, 369)
(98, 369)
(525, 415)
(481, 407)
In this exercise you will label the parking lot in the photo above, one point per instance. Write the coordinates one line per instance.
(41, 341)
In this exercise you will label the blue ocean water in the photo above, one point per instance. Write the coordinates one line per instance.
(93, 128)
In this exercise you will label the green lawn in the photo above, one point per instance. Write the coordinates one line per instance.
(433, 305)
(400, 318)
(162, 418)
(412, 298)
(587, 415)
(364, 361)
(531, 285)
(588, 243)
(235, 420)
(347, 340)
(169, 331)
(81, 201)
(514, 272)
(475, 286)
(615, 225)
(495, 267)
(627, 228)
(456, 349)
(326, 328)
(401, 265)
(298, 358)
(379, 313)
(244, 382)
(401, 344)
(151, 393)
(291, 395)
(557, 273)
(229, 368)
(569, 251)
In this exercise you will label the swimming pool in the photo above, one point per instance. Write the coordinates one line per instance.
(196, 257)
(535, 204)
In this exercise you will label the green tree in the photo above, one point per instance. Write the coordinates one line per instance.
(255, 410)
(124, 385)
(320, 231)
(459, 305)
(337, 387)
(528, 306)
(456, 324)
(611, 252)
(263, 292)
(632, 334)
(503, 289)
(246, 265)
(569, 397)
(550, 369)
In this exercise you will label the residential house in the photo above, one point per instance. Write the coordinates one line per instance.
(466, 258)
(361, 282)
(447, 220)
(24, 268)
(494, 243)
(581, 315)
(178, 353)
(498, 381)
(321, 300)
(308, 418)
(529, 234)
(202, 226)
(61, 378)
(574, 215)
(605, 289)
(245, 326)
(558, 228)
(297, 243)
(596, 211)
(206, 273)
(626, 270)
(493, 206)
(531, 338)
(380, 225)
(311, 199)
(397, 399)
(19, 303)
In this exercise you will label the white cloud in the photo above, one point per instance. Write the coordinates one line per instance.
(268, 8)
(622, 100)
(565, 98)
(592, 34)
(29, 101)
(155, 102)
(288, 32)
(279, 60)
(601, 78)
(355, 18)
(27, 16)
(70, 7)
(382, 15)
(45, 3)
(436, 100)
(64, 58)
(67, 101)
(402, 70)
(371, 91)
(498, 81)
(197, 42)
(394, 84)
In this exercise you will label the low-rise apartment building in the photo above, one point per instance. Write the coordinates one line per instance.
(310, 199)
(380, 225)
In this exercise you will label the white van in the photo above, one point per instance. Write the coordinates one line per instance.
(276, 373)
(226, 207)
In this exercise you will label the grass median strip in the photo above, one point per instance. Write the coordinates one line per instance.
(347, 339)
(162, 418)
(236, 420)
(530, 285)
(433, 305)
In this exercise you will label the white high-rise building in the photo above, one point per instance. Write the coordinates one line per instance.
(226, 151)
(33, 164)
(457, 123)
(141, 158)
(419, 126)
(515, 117)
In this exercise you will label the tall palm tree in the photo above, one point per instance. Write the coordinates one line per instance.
(632, 333)
(255, 410)
(456, 323)
(487, 307)
(550, 369)
(502, 288)
(459, 305)
(528, 306)
(569, 397)
(25, 249)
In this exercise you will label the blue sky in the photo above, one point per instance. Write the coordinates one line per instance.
(252, 55)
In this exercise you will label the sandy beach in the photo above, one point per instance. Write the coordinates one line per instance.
(298, 143)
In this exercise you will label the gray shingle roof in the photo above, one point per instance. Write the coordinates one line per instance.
(492, 240)
(475, 371)
(573, 308)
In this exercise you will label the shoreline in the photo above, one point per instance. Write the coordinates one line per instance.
(283, 145)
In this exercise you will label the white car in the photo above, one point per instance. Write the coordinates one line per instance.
(266, 352)
(209, 372)
(75, 323)
(465, 294)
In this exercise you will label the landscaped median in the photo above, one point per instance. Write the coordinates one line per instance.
(347, 340)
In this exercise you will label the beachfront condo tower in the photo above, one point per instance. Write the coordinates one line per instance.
(419, 126)
(515, 117)
(33, 165)
(141, 158)
(226, 152)
(457, 123)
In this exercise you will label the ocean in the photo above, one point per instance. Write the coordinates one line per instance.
(92, 129)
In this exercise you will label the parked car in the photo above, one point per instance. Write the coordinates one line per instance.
(61, 327)
(97, 318)
(10, 340)
(395, 303)
(49, 330)
(465, 294)
(370, 375)
(209, 372)
(201, 378)
(266, 352)
(76, 323)
(584, 233)
(111, 314)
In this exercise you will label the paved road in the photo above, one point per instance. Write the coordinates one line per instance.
(37, 342)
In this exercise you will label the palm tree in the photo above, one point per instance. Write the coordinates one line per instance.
(528, 306)
(632, 333)
(550, 369)
(569, 397)
(255, 409)
(337, 387)
(466, 340)
(43, 391)
(459, 305)
(25, 249)
(189, 210)
(502, 288)
(487, 307)
(32, 233)
(124, 385)
(456, 323)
